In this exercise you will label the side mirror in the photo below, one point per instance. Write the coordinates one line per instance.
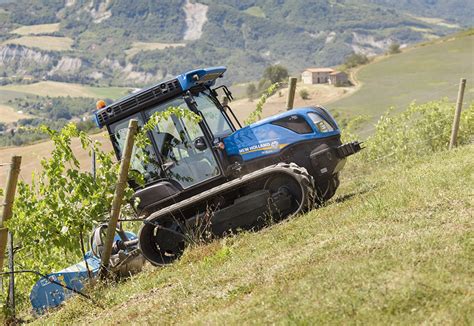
(200, 144)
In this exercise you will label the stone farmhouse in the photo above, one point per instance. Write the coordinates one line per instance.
(324, 76)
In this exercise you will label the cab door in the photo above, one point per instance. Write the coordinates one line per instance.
(175, 140)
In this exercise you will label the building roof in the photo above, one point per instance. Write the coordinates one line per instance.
(337, 73)
(319, 70)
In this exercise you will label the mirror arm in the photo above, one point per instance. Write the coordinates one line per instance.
(191, 102)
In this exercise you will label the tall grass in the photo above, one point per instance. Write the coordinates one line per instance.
(421, 129)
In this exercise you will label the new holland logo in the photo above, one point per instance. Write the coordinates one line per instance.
(268, 146)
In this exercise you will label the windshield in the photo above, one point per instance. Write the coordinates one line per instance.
(216, 120)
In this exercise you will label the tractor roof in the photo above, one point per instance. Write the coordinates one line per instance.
(157, 93)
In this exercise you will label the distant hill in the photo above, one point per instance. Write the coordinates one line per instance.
(121, 42)
(422, 73)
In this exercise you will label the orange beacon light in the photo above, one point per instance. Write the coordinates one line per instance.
(100, 104)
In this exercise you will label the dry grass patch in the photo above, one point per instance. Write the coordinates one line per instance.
(436, 21)
(36, 29)
(48, 43)
(9, 114)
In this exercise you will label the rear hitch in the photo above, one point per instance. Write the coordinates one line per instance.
(348, 149)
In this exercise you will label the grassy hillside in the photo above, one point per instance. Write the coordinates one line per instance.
(394, 246)
(420, 74)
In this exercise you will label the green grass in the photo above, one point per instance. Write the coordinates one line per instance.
(394, 247)
(420, 74)
(36, 29)
(108, 92)
(48, 43)
(255, 11)
(7, 95)
(55, 89)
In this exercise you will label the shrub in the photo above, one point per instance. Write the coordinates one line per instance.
(355, 60)
(421, 129)
(251, 91)
(394, 48)
(304, 94)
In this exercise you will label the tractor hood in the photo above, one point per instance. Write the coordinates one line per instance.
(271, 135)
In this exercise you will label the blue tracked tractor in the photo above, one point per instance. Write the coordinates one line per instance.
(217, 173)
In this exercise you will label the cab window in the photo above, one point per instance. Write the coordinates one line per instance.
(144, 161)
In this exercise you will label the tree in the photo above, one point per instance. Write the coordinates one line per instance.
(275, 73)
(356, 59)
(251, 91)
(394, 48)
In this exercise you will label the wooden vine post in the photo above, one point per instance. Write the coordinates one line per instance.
(457, 114)
(291, 93)
(8, 204)
(118, 197)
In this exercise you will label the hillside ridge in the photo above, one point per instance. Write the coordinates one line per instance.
(240, 35)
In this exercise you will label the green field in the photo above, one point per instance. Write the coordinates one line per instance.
(36, 29)
(255, 11)
(55, 89)
(48, 43)
(373, 255)
(420, 74)
(7, 95)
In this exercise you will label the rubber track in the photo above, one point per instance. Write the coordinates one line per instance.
(298, 173)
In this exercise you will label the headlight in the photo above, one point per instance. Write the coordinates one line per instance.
(321, 124)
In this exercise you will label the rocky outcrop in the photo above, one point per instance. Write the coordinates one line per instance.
(368, 45)
(22, 56)
(128, 73)
(99, 12)
(196, 17)
(67, 66)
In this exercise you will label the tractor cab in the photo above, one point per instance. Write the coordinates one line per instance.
(183, 154)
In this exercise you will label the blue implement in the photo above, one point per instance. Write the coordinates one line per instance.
(45, 294)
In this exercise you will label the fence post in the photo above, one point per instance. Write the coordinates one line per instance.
(94, 173)
(8, 204)
(457, 114)
(118, 197)
(291, 93)
(11, 284)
